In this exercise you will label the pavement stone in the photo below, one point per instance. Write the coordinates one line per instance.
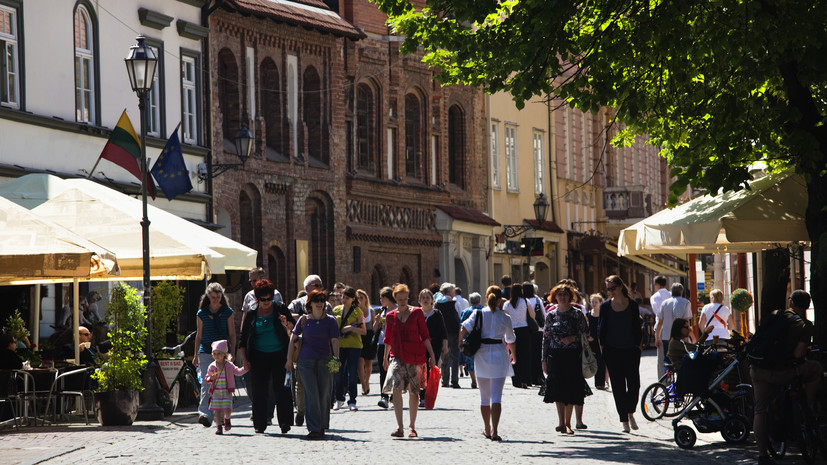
(447, 434)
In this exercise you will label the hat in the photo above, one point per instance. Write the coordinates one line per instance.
(220, 346)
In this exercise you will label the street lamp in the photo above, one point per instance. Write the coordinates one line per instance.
(540, 210)
(140, 66)
(243, 142)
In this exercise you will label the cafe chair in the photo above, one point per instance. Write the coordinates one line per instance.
(8, 393)
(76, 383)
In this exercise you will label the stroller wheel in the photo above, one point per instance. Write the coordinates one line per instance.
(685, 437)
(735, 429)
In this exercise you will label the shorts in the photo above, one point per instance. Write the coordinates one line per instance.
(404, 377)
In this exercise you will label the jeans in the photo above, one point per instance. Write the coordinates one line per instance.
(204, 361)
(380, 354)
(450, 362)
(624, 374)
(266, 368)
(317, 381)
(348, 376)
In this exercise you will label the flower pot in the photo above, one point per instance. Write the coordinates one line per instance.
(117, 408)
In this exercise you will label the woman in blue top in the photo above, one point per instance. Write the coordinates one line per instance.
(214, 322)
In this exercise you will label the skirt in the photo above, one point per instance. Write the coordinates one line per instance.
(404, 377)
(565, 382)
(368, 346)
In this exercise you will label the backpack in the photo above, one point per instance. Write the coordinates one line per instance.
(767, 347)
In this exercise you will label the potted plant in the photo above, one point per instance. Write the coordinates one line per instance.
(167, 301)
(119, 378)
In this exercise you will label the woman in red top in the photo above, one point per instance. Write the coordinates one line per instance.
(406, 342)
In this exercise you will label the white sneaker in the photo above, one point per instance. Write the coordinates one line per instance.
(338, 405)
(354, 408)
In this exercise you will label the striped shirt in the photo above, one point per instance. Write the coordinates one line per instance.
(213, 327)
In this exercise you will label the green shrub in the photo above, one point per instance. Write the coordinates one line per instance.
(167, 301)
(126, 316)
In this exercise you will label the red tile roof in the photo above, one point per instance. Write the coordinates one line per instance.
(468, 214)
(311, 14)
(549, 226)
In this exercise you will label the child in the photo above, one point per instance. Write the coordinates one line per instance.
(223, 385)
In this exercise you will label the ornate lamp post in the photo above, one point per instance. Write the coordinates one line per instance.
(140, 66)
(540, 210)
(243, 146)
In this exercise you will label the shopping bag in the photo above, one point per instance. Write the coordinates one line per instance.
(432, 388)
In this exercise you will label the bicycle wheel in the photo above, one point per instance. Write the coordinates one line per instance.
(677, 404)
(654, 402)
(190, 390)
(735, 429)
(805, 432)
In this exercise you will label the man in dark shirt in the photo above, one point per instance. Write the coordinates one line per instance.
(448, 307)
(768, 382)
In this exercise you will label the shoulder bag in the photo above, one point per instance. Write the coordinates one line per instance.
(472, 340)
(589, 360)
(531, 322)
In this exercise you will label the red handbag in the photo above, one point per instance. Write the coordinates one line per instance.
(432, 387)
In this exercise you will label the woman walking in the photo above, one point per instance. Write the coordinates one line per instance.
(263, 349)
(620, 338)
(475, 300)
(600, 377)
(320, 340)
(388, 304)
(561, 356)
(368, 342)
(517, 308)
(437, 331)
(214, 322)
(406, 342)
(493, 361)
(351, 330)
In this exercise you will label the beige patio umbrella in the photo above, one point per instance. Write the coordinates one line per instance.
(768, 215)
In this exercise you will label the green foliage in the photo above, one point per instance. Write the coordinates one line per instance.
(16, 326)
(126, 316)
(741, 300)
(167, 301)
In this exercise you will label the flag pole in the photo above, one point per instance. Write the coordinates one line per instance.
(93, 168)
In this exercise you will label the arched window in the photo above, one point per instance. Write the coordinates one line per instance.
(277, 268)
(271, 106)
(377, 282)
(406, 277)
(414, 137)
(85, 29)
(456, 146)
(320, 225)
(249, 208)
(366, 129)
(312, 114)
(228, 97)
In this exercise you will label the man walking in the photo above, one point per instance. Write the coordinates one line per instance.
(448, 307)
(657, 299)
(674, 307)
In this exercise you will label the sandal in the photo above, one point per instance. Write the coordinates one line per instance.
(398, 433)
(560, 429)
(496, 438)
(567, 430)
(412, 434)
(581, 426)
(487, 435)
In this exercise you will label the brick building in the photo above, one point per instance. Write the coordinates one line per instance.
(278, 68)
(417, 172)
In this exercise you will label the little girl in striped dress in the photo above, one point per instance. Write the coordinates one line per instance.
(221, 374)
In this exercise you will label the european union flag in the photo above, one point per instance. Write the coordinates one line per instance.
(170, 171)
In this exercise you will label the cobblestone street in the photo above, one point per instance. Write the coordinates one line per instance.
(450, 433)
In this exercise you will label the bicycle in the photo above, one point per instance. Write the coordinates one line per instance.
(660, 399)
(178, 379)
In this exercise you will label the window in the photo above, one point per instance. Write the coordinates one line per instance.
(155, 108)
(495, 156)
(228, 97)
(511, 158)
(85, 70)
(189, 99)
(539, 170)
(271, 105)
(456, 146)
(413, 137)
(366, 131)
(312, 114)
(9, 60)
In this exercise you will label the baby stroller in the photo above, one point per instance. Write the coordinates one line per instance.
(715, 406)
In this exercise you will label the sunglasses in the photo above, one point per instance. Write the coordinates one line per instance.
(320, 300)
(265, 299)
(611, 288)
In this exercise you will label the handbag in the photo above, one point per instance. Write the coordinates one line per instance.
(472, 340)
(589, 360)
(530, 322)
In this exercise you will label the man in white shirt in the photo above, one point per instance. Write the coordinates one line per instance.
(671, 309)
(657, 299)
(462, 304)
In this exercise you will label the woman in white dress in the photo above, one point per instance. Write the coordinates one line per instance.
(493, 361)
(717, 315)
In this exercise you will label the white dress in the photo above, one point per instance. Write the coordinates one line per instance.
(491, 361)
(720, 328)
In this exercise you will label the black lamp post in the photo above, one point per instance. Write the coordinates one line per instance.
(243, 146)
(540, 210)
(140, 66)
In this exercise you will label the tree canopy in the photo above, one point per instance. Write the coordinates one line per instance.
(718, 84)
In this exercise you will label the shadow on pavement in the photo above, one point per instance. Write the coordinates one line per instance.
(634, 453)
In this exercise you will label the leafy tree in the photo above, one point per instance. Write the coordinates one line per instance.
(719, 84)
(126, 316)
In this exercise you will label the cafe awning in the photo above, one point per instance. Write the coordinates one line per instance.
(649, 262)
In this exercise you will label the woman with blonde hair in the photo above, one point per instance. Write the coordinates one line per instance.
(407, 343)
(600, 378)
(368, 343)
(494, 360)
(717, 315)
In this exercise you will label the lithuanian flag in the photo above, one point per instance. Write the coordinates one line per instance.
(124, 150)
